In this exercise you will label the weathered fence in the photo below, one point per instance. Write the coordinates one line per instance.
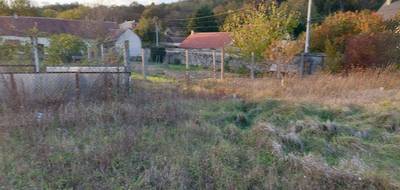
(50, 88)
(18, 68)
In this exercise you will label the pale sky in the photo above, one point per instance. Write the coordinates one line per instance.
(105, 2)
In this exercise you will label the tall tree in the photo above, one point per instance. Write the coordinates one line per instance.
(204, 21)
(254, 29)
(23, 7)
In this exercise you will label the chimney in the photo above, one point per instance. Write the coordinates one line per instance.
(192, 32)
(388, 2)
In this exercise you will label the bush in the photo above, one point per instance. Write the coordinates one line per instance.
(63, 47)
(15, 53)
(341, 26)
(334, 59)
(372, 51)
(158, 54)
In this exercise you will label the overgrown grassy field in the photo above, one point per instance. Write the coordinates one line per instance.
(320, 132)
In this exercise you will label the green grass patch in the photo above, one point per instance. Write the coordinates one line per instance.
(153, 78)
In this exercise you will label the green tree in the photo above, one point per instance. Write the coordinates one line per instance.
(204, 21)
(256, 28)
(145, 30)
(63, 47)
(4, 8)
(74, 14)
(49, 13)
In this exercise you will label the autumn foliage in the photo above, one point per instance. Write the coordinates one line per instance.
(372, 51)
(333, 34)
(341, 26)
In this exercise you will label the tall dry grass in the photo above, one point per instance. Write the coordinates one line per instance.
(361, 88)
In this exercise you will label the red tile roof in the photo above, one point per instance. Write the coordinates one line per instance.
(207, 40)
(19, 26)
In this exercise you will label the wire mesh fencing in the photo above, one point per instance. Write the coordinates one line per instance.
(25, 89)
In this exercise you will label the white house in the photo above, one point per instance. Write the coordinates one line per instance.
(16, 29)
(390, 9)
(118, 37)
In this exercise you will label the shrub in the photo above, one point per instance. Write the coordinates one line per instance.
(11, 53)
(372, 51)
(63, 47)
(342, 26)
(334, 59)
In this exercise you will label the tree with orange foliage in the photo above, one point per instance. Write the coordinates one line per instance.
(332, 35)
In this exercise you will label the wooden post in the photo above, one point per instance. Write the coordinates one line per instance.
(77, 87)
(222, 63)
(35, 54)
(253, 62)
(278, 70)
(144, 64)
(126, 56)
(214, 55)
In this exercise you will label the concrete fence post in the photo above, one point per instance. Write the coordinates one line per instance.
(102, 53)
(222, 63)
(144, 64)
(187, 64)
(214, 55)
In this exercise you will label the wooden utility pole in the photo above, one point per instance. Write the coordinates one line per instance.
(308, 31)
(214, 55)
(222, 63)
(144, 64)
(308, 37)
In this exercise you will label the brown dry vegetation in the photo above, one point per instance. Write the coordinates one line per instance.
(165, 137)
(361, 88)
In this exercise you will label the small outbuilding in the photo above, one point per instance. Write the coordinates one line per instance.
(207, 41)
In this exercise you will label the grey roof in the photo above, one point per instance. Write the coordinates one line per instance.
(19, 26)
(389, 11)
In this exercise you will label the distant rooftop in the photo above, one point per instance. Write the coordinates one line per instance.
(19, 26)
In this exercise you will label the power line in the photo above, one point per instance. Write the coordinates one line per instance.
(215, 15)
